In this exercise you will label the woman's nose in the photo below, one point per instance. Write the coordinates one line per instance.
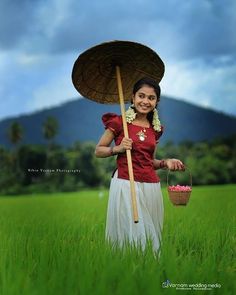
(146, 100)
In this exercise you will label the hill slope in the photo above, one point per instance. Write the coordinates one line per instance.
(80, 120)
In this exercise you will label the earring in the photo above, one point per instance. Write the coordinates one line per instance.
(130, 114)
(155, 121)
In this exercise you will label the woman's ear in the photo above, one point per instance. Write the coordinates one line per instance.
(132, 99)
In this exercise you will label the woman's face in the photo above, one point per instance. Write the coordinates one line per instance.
(145, 99)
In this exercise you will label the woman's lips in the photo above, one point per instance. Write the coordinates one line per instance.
(144, 108)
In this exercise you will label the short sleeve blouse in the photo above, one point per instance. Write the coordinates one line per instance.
(113, 122)
(142, 151)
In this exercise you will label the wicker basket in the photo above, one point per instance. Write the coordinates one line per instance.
(179, 198)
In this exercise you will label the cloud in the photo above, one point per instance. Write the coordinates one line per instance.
(197, 28)
(51, 94)
(40, 41)
(57, 89)
(30, 82)
(15, 19)
(209, 84)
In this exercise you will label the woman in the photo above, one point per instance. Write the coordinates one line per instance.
(144, 132)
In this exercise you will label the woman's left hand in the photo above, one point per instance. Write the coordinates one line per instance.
(174, 164)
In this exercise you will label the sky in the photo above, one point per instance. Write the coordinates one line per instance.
(41, 39)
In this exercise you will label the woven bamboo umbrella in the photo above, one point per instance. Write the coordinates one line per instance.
(97, 76)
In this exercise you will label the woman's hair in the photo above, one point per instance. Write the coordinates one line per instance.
(152, 83)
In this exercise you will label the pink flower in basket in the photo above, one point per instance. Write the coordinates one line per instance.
(180, 188)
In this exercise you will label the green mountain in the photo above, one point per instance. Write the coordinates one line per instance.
(80, 120)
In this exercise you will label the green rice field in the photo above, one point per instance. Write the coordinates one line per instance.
(54, 244)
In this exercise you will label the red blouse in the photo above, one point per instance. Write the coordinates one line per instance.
(142, 151)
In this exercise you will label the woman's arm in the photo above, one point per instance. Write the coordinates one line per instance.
(172, 164)
(103, 148)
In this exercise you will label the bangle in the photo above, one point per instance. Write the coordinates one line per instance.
(162, 164)
(112, 152)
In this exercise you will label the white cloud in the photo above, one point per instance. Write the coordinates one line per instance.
(196, 40)
(29, 82)
(28, 59)
(58, 86)
(204, 84)
(55, 92)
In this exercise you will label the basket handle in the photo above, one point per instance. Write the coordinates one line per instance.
(185, 168)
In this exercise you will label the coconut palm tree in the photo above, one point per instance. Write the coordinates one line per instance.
(15, 133)
(50, 128)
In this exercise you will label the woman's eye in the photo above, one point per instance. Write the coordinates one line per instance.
(141, 95)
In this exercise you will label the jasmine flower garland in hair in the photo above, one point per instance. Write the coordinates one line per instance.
(130, 114)
(155, 121)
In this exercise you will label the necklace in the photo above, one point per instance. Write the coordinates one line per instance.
(141, 134)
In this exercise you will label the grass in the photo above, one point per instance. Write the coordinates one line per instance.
(55, 245)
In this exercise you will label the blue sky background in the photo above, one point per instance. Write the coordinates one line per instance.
(40, 40)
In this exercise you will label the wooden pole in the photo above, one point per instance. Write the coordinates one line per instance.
(128, 152)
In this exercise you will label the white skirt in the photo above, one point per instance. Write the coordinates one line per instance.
(120, 227)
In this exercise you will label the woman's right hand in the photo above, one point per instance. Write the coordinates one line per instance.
(126, 144)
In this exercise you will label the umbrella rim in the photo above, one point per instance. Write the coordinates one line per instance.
(85, 89)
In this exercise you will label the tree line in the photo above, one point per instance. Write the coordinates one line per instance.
(51, 168)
